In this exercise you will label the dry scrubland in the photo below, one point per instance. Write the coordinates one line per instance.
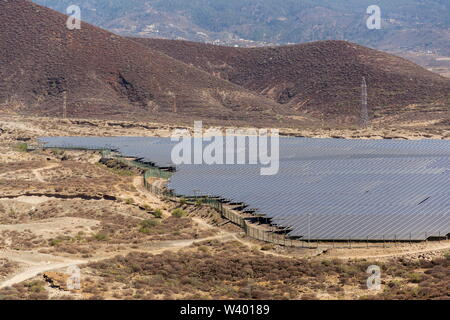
(394, 126)
(62, 208)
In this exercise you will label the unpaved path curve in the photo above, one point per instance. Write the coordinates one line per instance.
(36, 263)
(37, 172)
(39, 263)
(35, 270)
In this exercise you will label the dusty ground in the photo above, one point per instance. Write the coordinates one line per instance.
(60, 209)
(393, 127)
(432, 61)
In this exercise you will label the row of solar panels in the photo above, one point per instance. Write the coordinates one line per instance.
(326, 188)
(158, 150)
(376, 226)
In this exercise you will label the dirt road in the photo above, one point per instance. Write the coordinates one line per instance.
(37, 172)
(36, 263)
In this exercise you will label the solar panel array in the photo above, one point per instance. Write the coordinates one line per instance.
(326, 189)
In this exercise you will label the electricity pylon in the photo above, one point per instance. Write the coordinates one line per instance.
(364, 110)
(174, 101)
(64, 105)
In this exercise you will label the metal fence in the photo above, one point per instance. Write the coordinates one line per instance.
(271, 234)
(262, 232)
(155, 172)
(251, 230)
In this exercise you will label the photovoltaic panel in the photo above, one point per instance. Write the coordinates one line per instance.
(333, 189)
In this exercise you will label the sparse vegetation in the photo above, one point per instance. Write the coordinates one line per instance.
(147, 207)
(178, 213)
(158, 213)
(101, 236)
(230, 270)
(29, 290)
(147, 225)
(93, 212)
(22, 147)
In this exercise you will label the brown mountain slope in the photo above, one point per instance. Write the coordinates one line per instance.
(322, 78)
(105, 75)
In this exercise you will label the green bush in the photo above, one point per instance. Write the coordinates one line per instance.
(22, 147)
(35, 286)
(147, 225)
(447, 255)
(178, 213)
(60, 240)
(158, 213)
(101, 236)
(55, 242)
(415, 277)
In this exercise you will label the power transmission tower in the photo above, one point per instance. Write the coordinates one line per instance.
(364, 110)
(175, 109)
(64, 105)
(174, 101)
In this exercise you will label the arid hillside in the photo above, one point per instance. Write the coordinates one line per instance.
(104, 75)
(48, 70)
(323, 78)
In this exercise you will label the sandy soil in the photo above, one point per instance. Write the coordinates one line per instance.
(50, 227)
(392, 127)
(54, 214)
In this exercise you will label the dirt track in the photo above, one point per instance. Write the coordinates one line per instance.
(48, 217)
(37, 263)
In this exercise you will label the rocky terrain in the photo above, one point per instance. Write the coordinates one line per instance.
(74, 210)
(321, 79)
(44, 66)
(48, 70)
(61, 209)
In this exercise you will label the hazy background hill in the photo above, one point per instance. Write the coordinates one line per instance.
(418, 30)
(408, 24)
